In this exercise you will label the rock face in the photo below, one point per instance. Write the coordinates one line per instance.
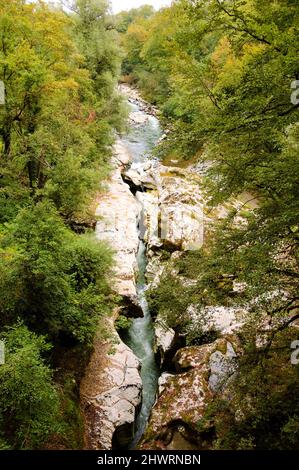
(223, 320)
(183, 397)
(222, 365)
(181, 205)
(110, 396)
(139, 175)
(111, 390)
(165, 341)
(121, 155)
(118, 213)
(173, 208)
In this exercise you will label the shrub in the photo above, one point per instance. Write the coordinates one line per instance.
(29, 401)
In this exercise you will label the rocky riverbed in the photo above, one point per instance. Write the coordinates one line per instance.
(162, 206)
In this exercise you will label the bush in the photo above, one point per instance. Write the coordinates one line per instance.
(260, 409)
(54, 280)
(29, 401)
(123, 323)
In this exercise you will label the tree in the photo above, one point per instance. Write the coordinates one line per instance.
(29, 401)
(98, 41)
(230, 65)
(125, 18)
(61, 106)
(52, 279)
(57, 128)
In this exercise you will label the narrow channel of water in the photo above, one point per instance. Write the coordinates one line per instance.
(140, 337)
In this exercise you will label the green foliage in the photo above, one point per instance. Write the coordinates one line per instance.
(262, 412)
(229, 69)
(172, 297)
(125, 18)
(123, 323)
(189, 264)
(71, 427)
(57, 128)
(98, 41)
(168, 301)
(221, 71)
(29, 403)
(148, 44)
(57, 125)
(54, 280)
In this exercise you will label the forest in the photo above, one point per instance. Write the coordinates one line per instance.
(224, 77)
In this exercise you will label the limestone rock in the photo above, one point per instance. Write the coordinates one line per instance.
(111, 390)
(150, 218)
(110, 395)
(174, 211)
(184, 397)
(165, 339)
(181, 206)
(163, 381)
(154, 269)
(222, 365)
(138, 118)
(121, 154)
(224, 320)
(118, 214)
(140, 175)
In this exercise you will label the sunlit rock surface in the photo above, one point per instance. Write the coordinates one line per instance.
(118, 213)
(111, 388)
(173, 206)
(184, 396)
(110, 396)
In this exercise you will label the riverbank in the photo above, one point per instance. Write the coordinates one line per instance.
(111, 391)
(151, 215)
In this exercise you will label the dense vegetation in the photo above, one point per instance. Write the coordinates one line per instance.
(223, 74)
(56, 129)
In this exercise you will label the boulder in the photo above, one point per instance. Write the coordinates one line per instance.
(184, 397)
(154, 269)
(173, 209)
(163, 380)
(181, 209)
(138, 118)
(121, 154)
(150, 218)
(141, 176)
(223, 320)
(222, 365)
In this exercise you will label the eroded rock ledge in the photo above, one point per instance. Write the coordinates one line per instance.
(184, 396)
(111, 390)
(110, 395)
(118, 213)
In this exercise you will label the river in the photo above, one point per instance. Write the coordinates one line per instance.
(140, 140)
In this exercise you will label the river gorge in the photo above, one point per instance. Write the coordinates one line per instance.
(148, 389)
(149, 230)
